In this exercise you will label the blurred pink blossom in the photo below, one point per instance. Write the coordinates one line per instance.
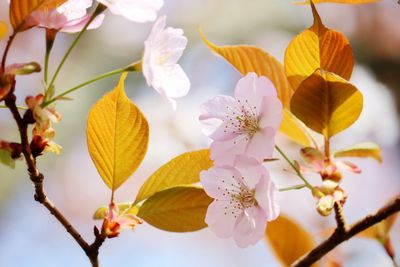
(163, 48)
(245, 200)
(69, 17)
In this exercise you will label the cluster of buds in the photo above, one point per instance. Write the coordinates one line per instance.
(42, 118)
(329, 169)
(115, 220)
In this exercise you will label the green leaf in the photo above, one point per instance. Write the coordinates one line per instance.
(178, 209)
(182, 170)
(6, 159)
(327, 103)
(363, 150)
(125, 207)
(117, 136)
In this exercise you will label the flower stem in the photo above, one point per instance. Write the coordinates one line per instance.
(50, 37)
(295, 187)
(306, 183)
(97, 12)
(132, 67)
(18, 107)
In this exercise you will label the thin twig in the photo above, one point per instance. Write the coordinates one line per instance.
(339, 237)
(37, 178)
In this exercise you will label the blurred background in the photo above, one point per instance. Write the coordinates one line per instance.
(30, 236)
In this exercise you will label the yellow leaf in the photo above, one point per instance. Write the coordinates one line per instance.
(288, 240)
(253, 59)
(126, 208)
(117, 136)
(327, 103)
(367, 149)
(21, 9)
(318, 48)
(3, 29)
(339, 1)
(294, 128)
(182, 170)
(178, 209)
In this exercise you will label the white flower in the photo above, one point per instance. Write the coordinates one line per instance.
(135, 10)
(162, 50)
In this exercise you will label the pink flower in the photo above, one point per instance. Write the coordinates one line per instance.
(245, 200)
(69, 17)
(114, 221)
(328, 168)
(246, 124)
(43, 132)
(162, 50)
(134, 10)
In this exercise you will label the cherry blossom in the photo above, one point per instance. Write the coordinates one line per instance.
(244, 200)
(246, 124)
(42, 132)
(69, 17)
(163, 48)
(115, 220)
(328, 168)
(134, 10)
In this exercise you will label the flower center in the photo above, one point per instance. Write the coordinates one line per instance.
(245, 197)
(243, 119)
(239, 196)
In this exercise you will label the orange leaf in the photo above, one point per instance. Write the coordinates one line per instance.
(288, 240)
(3, 29)
(318, 48)
(327, 103)
(21, 9)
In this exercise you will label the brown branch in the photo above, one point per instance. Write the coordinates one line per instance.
(340, 236)
(339, 217)
(92, 251)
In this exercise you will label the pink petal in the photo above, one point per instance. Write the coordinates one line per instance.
(224, 152)
(262, 144)
(251, 89)
(171, 81)
(271, 112)
(349, 166)
(218, 181)
(314, 157)
(220, 220)
(77, 25)
(266, 196)
(249, 227)
(250, 169)
(213, 113)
